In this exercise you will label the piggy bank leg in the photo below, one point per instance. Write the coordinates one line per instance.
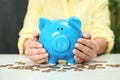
(52, 61)
(71, 61)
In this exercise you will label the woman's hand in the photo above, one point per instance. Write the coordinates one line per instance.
(34, 49)
(85, 49)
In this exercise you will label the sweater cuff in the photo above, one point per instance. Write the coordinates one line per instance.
(21, 42)
(109, 39)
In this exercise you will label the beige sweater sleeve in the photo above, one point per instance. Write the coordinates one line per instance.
(30, 23)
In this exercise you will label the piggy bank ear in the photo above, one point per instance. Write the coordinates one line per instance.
(42, 23)
(74, 22)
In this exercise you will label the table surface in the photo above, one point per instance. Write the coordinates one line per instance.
(109, 73)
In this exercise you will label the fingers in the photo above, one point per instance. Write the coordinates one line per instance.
(86, 49)
(35, 34)
(82, 56)
(39, 58)
(78, 60)
(34, 51)
(42, 61)
(87, 46)
(32, 44)
(37, 55)
(82, 48)
(86, 42)
(87, 35)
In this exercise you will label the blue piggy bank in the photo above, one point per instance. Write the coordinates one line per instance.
(59, 37)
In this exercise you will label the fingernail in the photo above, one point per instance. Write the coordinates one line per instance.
(73, 50)
(40, 45)
(43, 50)
(79, 40)
(87, 35)
(80, 61)
(47, 54)
(36, 33)
(76, 44)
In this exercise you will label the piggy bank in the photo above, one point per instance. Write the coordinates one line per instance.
(58, 37)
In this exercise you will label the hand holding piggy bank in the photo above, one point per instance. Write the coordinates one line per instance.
(59, 37)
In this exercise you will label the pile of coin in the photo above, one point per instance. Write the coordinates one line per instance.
(59, 67)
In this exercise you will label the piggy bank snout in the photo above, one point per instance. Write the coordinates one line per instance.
(60, 43)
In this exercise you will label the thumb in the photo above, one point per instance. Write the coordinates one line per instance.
(35, 35)
(87, 35)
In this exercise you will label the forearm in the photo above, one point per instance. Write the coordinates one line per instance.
(102, 45)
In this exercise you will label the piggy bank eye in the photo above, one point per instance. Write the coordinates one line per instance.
(58, 29)
(61, 28)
